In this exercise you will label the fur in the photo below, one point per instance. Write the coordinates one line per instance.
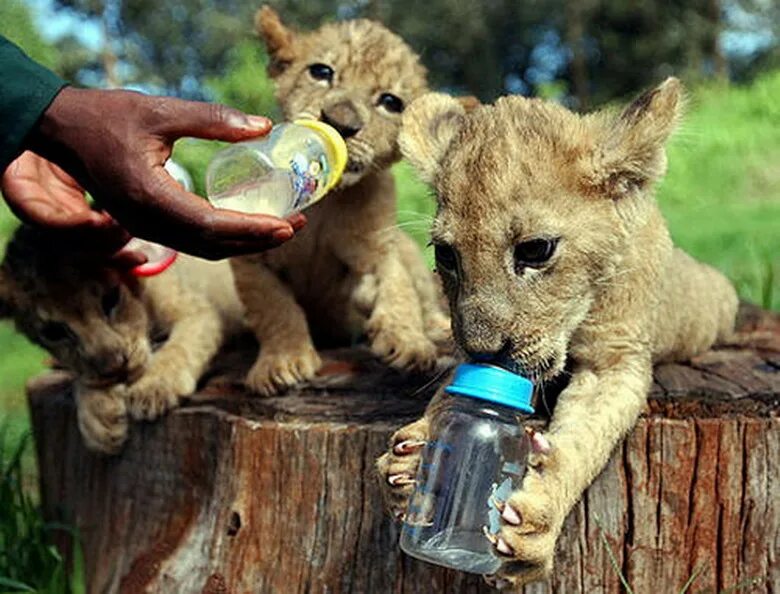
(614, 296)
(101, 325)
(350, 272)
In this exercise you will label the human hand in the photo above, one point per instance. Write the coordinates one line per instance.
(40, 193)
(115, 144)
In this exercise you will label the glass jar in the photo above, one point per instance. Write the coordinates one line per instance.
(291, 168)
(476, 456)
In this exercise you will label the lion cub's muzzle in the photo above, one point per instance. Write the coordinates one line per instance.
(344, 117)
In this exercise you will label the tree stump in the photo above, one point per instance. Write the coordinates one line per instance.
(237, 495)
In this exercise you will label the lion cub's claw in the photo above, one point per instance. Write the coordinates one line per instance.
(398, 467)
(274, 373)
(531, 519)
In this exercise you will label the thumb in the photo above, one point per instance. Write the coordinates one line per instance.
(212, 121)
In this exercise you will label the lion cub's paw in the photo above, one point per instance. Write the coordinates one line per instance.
(102, 419)
(156, 393)
(402, 348)
(398, 467)
(531, 520)
(273, 373)
(438, 329)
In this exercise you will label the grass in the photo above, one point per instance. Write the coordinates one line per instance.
(722, 193)
(28, 560)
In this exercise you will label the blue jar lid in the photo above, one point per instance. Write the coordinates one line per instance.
(493, 384)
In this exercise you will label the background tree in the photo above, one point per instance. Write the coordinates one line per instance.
(584, 52)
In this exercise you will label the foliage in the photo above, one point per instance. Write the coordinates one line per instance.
(722, 193)
(597, 50)
(17, 25)
(245, 84)
(168, 47)
(28, 560)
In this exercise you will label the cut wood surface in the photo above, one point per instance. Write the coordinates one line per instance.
(233, 494)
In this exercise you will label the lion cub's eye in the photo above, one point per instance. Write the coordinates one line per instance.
(55, 332)
(534, 253)
(110, 300)
(321, 72)
(391, 103)
(446, 259)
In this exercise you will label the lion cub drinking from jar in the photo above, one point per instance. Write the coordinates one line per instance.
(100, 325)
(551, 247)
(349, 272)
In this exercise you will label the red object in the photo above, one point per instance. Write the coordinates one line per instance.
(155, 268)
(159, 257)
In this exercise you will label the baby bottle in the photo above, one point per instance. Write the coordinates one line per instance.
(476, 456)
(279, 174)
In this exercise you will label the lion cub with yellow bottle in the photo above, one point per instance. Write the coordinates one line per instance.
(350, 272)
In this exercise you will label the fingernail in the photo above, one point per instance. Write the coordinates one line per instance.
(400, 479)
(489, 535)
(503, 548)
(511, 516)
(297, 220)
(283, 234)
(539, 443)
(407, 446)
(259, 122)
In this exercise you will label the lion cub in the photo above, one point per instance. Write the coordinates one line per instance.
(100, 325)
(349, 272)
(551, 248)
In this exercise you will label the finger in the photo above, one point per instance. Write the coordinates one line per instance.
(188, 223)
(42, 211)
(297, 220)
(212, 224)
(102, 240)
(127, 259)
(211, 121)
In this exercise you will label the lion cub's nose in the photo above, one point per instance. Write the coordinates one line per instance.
(486, 351)
(343, 117)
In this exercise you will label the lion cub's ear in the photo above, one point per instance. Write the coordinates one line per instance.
(633, 154)
(428, 127)
(469, 102)
(279, 40)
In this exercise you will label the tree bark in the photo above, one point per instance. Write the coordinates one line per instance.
(238, 495)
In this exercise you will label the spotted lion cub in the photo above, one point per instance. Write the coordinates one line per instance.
(552, 249)
(100, 325)
(349, 272)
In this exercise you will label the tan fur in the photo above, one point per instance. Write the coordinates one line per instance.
(100, 325)
(614, 297)
(350, 271)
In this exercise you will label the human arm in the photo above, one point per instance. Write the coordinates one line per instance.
(114, 145)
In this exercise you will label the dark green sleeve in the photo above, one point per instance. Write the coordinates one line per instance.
(26, 90)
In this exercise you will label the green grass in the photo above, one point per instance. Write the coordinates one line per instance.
(722, 193)
(28, 560)
(19, 359)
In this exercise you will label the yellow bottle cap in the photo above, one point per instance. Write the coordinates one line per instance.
(336, 144)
